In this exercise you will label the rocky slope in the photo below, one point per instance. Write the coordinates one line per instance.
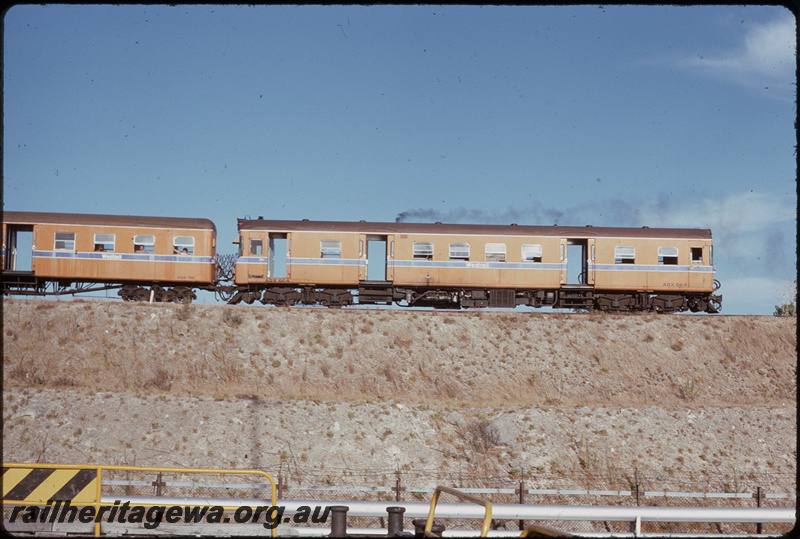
(354, 396)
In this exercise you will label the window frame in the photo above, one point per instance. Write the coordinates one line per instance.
(422, 250)
(457, 250)
(525, 254)
(65, 242)
(253, 242)
(493, 253)
(148, 244)
(668, 256)
(330, 248)
(104, 242)
(624, 254)
(178, 247)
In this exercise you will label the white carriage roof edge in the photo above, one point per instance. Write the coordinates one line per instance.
(86, 219)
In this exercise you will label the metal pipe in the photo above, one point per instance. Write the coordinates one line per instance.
(500, 511)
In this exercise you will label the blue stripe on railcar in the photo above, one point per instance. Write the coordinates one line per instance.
(189, 259)
(651, 268)
(455, 264)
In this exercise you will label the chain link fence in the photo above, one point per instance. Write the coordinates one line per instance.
(404, 487)
(501, 492)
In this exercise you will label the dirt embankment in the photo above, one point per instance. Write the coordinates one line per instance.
(354, 395)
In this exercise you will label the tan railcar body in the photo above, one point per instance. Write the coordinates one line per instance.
(79, 260)
(305, 264)
(476, 270)
(646, 273)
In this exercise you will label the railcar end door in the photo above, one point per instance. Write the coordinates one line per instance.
(19, 244)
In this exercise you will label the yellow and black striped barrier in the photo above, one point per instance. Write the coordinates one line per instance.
(79, 485)
(34, 486)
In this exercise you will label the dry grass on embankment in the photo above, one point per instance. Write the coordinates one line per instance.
(455, 358)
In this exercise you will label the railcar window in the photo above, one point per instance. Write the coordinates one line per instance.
(183, 245)
(495, 252)
(697, 255)
(330, 249)
(104, 242)
(256, 247)
(423, 250)
(668, 256)
(144, 243)
(532, 252)
(65, 241)
(459, 251)
(624, 254)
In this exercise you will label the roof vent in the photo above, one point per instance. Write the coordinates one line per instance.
(513, 224)
(645, 227)
(438, 223)
(305, 220)
(589, 226)
(261, 217)
(362, 221)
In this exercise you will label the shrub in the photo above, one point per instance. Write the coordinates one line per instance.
(185, 311)
(231, 318)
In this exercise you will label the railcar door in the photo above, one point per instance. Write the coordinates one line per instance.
(577, 262)
(563, 258)
(279, 255)
(18, 248)
(254, 252)
(590, 263)
(376, 256)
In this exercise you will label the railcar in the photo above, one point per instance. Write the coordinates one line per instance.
(155, 258)
(454, 266)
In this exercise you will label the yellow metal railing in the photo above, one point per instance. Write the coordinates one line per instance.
(487, 518)
(91, 493)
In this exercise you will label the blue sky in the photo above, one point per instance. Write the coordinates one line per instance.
(616, 115)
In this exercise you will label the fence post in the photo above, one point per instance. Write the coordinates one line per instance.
(158, 484)
(280, 485)
(760, 495)
(397, 488)
(522, 497)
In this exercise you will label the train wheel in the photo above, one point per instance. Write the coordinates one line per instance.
(128, 293)
(183, 294)
(141, 294)
(157, 293)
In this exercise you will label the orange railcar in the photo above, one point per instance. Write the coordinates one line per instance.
(162, 258)
(475, 265)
